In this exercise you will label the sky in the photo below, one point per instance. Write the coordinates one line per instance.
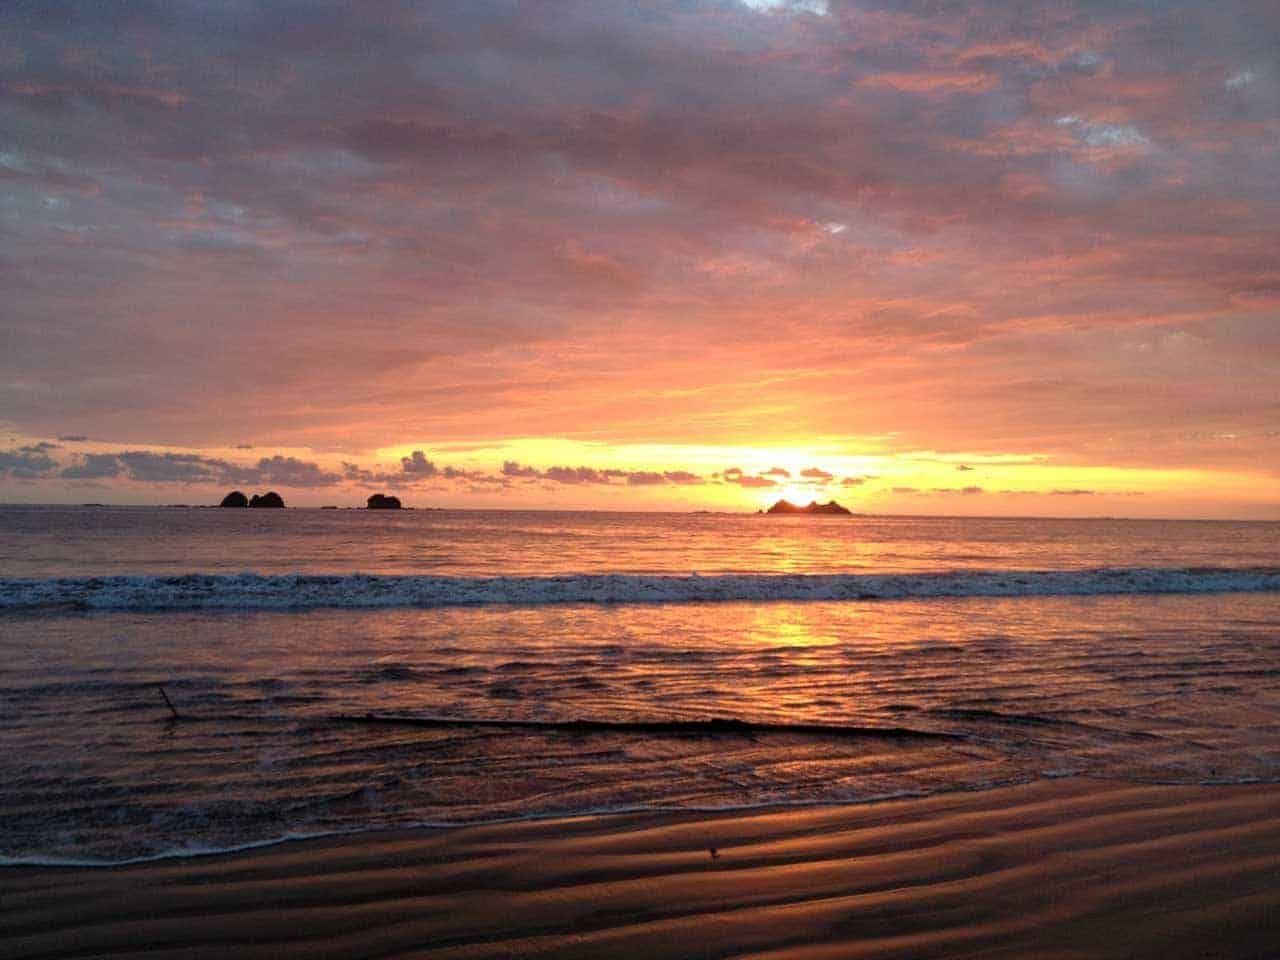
(1008, 258)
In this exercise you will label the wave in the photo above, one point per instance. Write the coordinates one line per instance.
(251, 591)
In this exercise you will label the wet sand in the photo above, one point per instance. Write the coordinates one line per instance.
(1061, 869)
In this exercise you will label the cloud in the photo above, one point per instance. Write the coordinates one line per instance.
(510, 468)
(963, 467)
(145, 466)
(418, 465)
(599, 475)
(29, 462)
(737, 476)
(815, 473)
(751, 482)
(291, 472)
(853, 481)
(73, 438)
(93, 466)
(816, 7)
(1074, 492)
(355, 473)
(969, 491)
(574, 475)
(416, 468)
(683, 477)
(645, 478)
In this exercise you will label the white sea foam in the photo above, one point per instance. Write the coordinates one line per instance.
(250, 591)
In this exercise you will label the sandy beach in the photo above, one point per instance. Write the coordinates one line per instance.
(1069, 868)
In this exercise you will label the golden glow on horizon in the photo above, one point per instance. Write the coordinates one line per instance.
(863, 476)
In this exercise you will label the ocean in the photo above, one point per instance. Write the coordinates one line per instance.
(346, 670)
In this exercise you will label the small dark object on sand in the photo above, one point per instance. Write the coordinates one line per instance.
(715, 854)
(168, 702)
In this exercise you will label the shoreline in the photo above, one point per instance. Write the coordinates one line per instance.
(355, 834)
(603, 813)
(1063, 868)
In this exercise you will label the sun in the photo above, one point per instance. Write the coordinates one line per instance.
(796, 493)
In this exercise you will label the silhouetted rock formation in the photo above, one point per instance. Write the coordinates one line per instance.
(271, 499)
(234, 499)
(381, 502)
(829, 509)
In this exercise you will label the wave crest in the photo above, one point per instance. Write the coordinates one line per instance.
(251, 591)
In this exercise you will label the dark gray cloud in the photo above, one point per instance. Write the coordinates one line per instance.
(418, 465)
(28, 463)
(416, 469)
(288, 472)
(598, 475)
(577, 475)
(510, 468)
(144, 466)
(93, 466)
(355, 473)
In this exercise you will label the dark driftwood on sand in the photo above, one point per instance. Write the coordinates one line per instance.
(669, 727)
(716, 726)
(168, 702)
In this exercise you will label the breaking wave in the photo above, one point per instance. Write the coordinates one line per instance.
(251, 591)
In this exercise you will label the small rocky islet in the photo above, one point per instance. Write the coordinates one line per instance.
(828, 509)
(269, 499)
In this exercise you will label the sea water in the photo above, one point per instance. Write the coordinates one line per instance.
(866, 657)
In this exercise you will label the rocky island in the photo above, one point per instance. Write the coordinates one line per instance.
(828, 509)
(237, 499)
(381, 501)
